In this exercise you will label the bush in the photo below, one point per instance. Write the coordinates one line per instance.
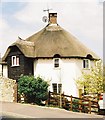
(34, 89)
(75, 105)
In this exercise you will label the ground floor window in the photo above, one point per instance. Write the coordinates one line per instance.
(57, 88)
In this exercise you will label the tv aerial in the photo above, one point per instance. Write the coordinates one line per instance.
(45, 19)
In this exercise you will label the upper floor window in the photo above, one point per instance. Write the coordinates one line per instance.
(15, 61)
(86, 63)
(56, 62)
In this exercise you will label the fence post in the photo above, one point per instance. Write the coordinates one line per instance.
(48, 100)
(90, 106)
(15, 88)
(60, 102)
(63, 100)
(71, 103)
(80, 102)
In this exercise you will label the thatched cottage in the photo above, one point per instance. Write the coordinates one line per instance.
(52, 53)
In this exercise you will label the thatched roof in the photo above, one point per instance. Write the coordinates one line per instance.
(50, 41)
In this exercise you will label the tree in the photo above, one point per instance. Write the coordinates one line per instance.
(34, 89)
(93, 81)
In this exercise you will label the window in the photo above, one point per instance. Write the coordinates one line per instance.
(56, 62)
(15, 61)
(86, 63)
(54, 87)
(57, 88)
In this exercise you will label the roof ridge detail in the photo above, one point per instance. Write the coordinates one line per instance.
(53, 27)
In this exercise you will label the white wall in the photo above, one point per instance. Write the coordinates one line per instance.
(0, 69)
(69, 71)
(3, 70)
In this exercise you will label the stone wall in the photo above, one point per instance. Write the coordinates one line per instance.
(8, 90)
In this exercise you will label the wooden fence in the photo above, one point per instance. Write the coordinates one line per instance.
(71, 103)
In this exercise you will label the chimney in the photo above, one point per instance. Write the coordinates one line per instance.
(53, 18)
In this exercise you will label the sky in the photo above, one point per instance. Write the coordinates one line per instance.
(82, 18)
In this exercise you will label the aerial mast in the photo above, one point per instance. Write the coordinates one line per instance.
(47, 10)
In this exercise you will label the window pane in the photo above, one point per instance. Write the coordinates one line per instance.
(54, 87)
(13, 60)
(56, 63)
(59, 88)
(17, 61)
(85, 63)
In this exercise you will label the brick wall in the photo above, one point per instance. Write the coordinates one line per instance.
(8, 90)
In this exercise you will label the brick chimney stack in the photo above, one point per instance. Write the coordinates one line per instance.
(53, 18)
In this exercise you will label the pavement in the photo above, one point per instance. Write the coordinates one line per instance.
(19, 110)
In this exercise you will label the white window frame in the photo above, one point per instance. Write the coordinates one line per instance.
(58, 87)
(86, 64)
(15, 61)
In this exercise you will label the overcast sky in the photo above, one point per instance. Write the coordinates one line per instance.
(82, 18)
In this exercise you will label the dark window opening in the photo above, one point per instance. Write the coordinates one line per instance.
(56, 56)
(59, 88)
(89, 56)
(56, 62)
(54, 87)
(86, 63)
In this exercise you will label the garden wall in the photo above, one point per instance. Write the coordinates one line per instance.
(8, 90)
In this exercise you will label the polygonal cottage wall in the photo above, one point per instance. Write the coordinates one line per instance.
(8, 90)
(70, 69)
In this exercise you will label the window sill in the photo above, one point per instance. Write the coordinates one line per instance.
(86, 68)
(57, 68)
(15, 65)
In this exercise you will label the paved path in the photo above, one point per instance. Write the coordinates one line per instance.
(17, 110)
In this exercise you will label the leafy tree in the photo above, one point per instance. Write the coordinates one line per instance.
(34, 89)
(93, 81)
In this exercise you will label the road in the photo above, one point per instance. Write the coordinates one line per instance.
(18, 110)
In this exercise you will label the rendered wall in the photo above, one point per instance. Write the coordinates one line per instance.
(67, 73)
